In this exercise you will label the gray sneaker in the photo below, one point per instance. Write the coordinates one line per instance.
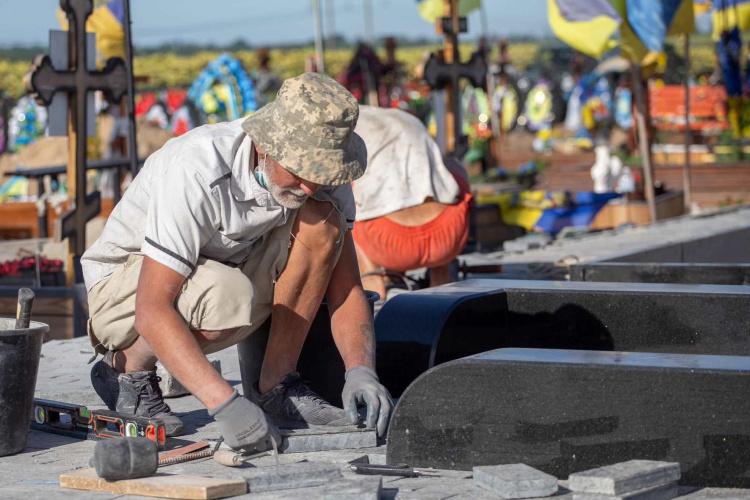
(294, 399)
(136, 393)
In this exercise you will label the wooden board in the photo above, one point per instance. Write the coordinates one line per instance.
(159, 485)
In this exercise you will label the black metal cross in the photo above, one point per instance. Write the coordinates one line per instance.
(445, 72)
(43, 81)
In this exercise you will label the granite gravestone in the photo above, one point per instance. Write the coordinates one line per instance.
(416, 331)
(563, 411)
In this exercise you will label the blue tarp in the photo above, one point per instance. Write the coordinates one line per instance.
(586, 205)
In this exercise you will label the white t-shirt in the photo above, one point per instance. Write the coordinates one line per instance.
(404, 165)
(196, 196)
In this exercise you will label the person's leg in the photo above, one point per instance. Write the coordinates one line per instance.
(440, 275)
(317, 238)
(139, 356)
(316, 244)
(215, 301)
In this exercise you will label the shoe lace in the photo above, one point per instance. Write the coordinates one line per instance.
(152, 397)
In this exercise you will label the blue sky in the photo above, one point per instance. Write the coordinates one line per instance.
(26, 22)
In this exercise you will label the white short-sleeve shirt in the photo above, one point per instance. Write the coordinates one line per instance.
(196, 196)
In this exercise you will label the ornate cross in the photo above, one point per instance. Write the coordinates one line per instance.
(444, 73)
(42, 80)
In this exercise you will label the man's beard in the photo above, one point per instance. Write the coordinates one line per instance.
(287, 197)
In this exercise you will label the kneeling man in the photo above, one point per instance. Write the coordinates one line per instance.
(224, 226)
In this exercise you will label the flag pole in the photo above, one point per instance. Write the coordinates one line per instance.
(331, 23)
(369, 30)
(318, 27)
(648, 182)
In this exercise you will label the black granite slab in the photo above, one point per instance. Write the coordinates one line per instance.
(564, 411)
(640, 317)
(686, 274)
(419, 330)
(719, 259)
(728, 247)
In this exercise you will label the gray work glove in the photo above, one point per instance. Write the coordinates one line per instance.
(244, 426)
(362, 386)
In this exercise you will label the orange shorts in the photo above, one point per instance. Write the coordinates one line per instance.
(402, 248)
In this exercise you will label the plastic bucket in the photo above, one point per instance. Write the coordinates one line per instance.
(20, 351)
(320, 361)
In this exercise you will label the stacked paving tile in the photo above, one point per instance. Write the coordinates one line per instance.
(515, 481)
(633, 480)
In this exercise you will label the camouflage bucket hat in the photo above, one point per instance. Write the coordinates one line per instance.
(309, 130)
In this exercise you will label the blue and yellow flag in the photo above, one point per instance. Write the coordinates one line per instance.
(107, 22)
(585, 25)
(652, 20)
(647, 22)
(430, 10)
(728, 14)
(589, 25)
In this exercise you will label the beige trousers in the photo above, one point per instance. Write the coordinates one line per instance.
(214, 296)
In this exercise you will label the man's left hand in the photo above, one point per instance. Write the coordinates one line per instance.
(362, 386)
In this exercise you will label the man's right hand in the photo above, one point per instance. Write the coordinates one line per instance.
(244, 426)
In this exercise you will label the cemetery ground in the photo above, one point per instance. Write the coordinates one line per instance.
(64, 376)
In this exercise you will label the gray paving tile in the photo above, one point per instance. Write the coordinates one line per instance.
(361, 488)
(515, 481)
(658, 492)
(287, 476)
(716, 494)
(625, 477)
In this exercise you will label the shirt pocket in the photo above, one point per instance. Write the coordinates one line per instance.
(233, 250)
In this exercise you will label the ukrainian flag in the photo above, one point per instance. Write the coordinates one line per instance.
(589, 25)
(648, 22)
(430, 10)
(585, 25)
(652, 20)
(107, 22)
(730, 13)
